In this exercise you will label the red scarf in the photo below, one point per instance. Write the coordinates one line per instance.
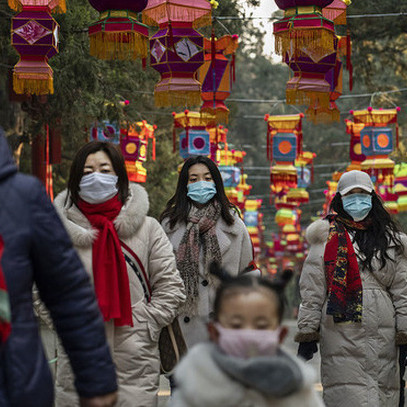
(5, 317)
(109, 266)
(344, 284)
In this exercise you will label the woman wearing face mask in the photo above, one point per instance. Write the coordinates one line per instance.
(243, 364)
(354, 298)
(203, 226)
(131, 264)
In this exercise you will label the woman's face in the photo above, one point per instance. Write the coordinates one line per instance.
(98, 162)
(199, 172)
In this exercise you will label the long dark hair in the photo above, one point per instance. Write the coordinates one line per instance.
(178, 206)
(230, 285)
(382, 231)
(78, 164)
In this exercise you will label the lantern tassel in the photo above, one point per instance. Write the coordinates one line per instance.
(32, 84)
(233, 66)
(349, 65)
(153, 152)
(118, 45)
(180, 98)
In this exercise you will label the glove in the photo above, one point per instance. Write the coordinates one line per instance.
(307, 349)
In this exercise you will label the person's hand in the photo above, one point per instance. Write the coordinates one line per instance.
(108, 400)
(307, 349)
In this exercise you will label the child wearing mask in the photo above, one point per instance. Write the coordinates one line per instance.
(243, 364)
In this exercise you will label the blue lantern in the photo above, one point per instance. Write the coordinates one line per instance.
(284, 147)
(196, 142)
(376, 141)
(251, 218)
(303, 177)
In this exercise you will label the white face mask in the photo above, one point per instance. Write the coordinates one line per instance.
(96, 187)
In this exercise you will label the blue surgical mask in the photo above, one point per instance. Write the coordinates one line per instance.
(201, 191)
(357, 205)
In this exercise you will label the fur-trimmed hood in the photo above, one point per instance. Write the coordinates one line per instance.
(317, 232)
(131, 217)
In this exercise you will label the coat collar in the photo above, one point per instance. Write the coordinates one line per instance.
(131, 217)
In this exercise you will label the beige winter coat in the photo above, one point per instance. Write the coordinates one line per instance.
(359, 366)
(237, 253)
(134, 349)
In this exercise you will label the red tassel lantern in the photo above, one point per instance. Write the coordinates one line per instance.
(176, 50)
(304, 29)
(34, 35)
(355, 148)
(215, 75)
(118, 34)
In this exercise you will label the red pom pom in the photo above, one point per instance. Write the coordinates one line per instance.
(173, 114)
(351, 111)
(398, 108)
(186, 111)
(127, 102)
(301, 115)
(370, 108)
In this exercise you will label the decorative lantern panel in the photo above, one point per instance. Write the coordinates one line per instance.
(194, 142)
(303, 177)
(133, 149)
(376, 141)
(284, 147)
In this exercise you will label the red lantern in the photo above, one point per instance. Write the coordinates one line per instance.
(176, 50)
(215, 75)
(34, 35)
(118, 34)
(355, 149)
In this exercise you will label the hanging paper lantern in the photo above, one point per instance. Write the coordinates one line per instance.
(118, 34)
(304, 29)
(377, 142)
(312, 81)
(218, 137)
(230, 175)
(215, 75)
(195, 139)
(105, 131)
(34, 35)
(176, 50)
(284, 142)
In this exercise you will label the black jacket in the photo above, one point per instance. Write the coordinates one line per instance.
(38, 249)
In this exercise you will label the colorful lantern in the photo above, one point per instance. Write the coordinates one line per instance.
(176, 50)
(195, 139)
(215, 75)
(377, 142)
(118, 34)
(34, 35)
(134, 145)
(284, 142)
(304, 29)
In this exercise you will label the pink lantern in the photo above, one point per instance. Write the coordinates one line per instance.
(34, 35)
(176, 50)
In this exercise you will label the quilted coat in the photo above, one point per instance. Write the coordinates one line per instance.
(38, 250)
(237, 254)
(134, 349)
(359, 361)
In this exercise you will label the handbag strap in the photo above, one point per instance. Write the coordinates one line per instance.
(137, 266)
(174, 342)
